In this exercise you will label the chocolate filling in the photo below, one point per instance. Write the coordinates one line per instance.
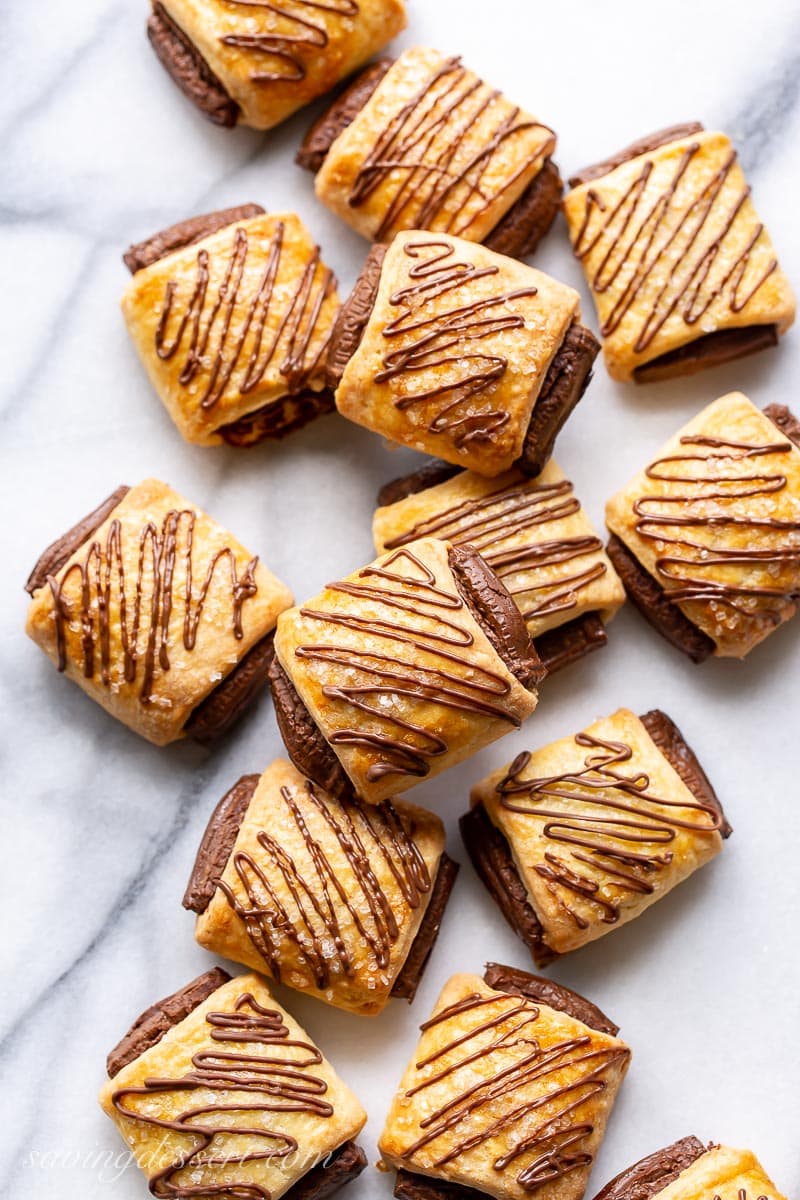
(344, 110)
(547, 991)
(784, 419)
(231, 698)
(566, 644)
(652, 602)
(217, 844)
(149, 1028)
(354, 315)
(185, 233)
(496, 613)
(491, 857)
(60, 551)
(185, 64)
(683, 760)
(406, 984)
(644, 145)
(519, 232)
(707, 350)
(564, 384)
(304, 741)
(409, 1186)
(434, 472)
(651, 1175)
(278, 418)
(493, 861)
(647, 593)
(335, 1170)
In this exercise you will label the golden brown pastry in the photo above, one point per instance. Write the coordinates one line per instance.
(231, 316)
(682, 271)
(533, 533)
(707, 537)
(218, 1092)
(687, 1170)
(401, 670)
(158, 613)
(581, 836)
(507, 1093)
(336, 898)
(433, 146)
(458, 352)
(255, 62)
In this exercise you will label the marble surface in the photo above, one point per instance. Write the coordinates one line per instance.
(99, 829)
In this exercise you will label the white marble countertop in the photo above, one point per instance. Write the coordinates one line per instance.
(99, 829)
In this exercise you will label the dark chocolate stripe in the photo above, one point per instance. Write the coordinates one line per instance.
(353, 317)
(149, 1028)
(58, 552)
(410, 1186)
(348, 104)
(708, 350)
(231, 698)
(493, 861)
(186, 66)
(567, 379)
(567, 644)
(278, 418)
(650, 1175)
(519, 232)
(644, 145)
(217, 843)
(336, 1169)
(305, 743)
(434, 472)
(784, 419)
(547, 991)
(410, 976)
(655, 606)
(497, 614)
(679, 754)
(185, 233)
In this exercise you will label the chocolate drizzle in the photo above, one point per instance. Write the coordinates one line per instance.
(253, 1069)
(295, 32)
(426, 151)
(609, 832)
(568, 1075)
(722, 486)
(210, 328)
(409, 615)
(491, 522)
(429, 340)
(310, 921)
(146, 609)
(680, 246)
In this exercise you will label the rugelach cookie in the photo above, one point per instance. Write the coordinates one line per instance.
(336, 898)
(158, 613)
(468, 355)
(534, 535)
(255, 62)
(577, 838)
(231, 314)
(421, 142)
(688, 1170)
(707, 538)
(401, 670)
(683, 273)
(508, 1092)
(218, 1092)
